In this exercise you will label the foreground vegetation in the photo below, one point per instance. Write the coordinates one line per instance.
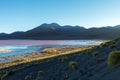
(114, 58)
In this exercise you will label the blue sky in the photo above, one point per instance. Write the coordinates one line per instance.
(22, 15)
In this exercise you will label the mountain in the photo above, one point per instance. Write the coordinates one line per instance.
(54, 31)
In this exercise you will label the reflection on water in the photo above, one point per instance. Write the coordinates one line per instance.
(15, 50)
(14, 47)
(81, 42)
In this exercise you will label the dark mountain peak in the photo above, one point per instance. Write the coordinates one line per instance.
(112, 27)
(80, 27)
(54, 24)
(49, 25)
(44, 24)
(69, 26)
(17, 32)
(3, 33)
(117, 26)
(45, 28)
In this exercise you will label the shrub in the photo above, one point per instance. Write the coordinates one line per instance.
(64, 58)
(88, 51)
(51, 51)
(114, 58)
(113, 42)
(102, 45)
(112, 46)
(27, 77)
(95, 53)
(40, 73)
(73, 65)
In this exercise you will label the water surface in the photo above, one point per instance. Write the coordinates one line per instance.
(28, 46)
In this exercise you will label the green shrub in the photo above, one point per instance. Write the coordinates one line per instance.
(95, 53)
(102, 45)
(114, 58)
(40, 73)
(73, 65)
(88, 51)
(64, 58)
(113, 42)
(112, 46)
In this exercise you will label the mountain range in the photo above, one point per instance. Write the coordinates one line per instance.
(54, 31)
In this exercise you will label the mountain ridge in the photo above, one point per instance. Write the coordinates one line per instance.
(54, 31)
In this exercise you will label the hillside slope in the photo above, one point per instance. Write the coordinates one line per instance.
(85, 65)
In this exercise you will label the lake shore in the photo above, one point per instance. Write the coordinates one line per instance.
(46, 53)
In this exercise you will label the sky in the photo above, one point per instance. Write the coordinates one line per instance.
(22, 15)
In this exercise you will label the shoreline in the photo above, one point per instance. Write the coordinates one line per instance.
(47, 53)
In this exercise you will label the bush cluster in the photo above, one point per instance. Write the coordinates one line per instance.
(73, 65)
(114, 58)
(95, 53)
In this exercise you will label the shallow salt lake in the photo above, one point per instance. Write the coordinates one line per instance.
(15, 47)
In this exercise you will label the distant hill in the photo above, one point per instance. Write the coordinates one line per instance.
(54, 31)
